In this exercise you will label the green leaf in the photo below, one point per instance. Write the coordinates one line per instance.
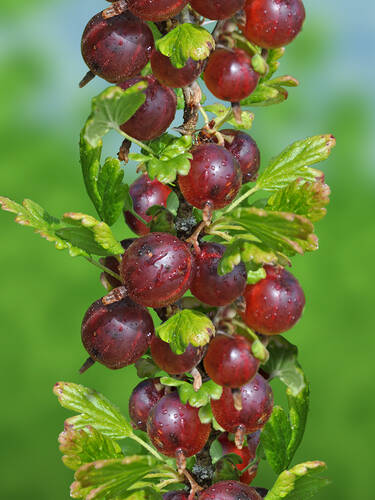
(303, 198)
(82, 446)
(87, 230)
(180, 98)
(155, 31)
(166, 171)
(300, 482)
(111, 190)
(162, 220)
(116, 478)
(184, 328)
(265, 95)
(94, 409)
(146, 368)
(283, 81)
(255, 275)
(225, 115)
(226, 468)
(273, 62)
(184, 42)
(275, 439)
(173, 203)
(110, 109)
(31, 214)
(294, 162)
(206, 417)
(209, 390)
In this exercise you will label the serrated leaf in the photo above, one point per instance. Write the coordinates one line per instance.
(283, 81)
(206, 417)
(209, 390)
(116, 478)
(225, 115)
(146, 368)
(255, 275)
(89, 229)
(184, 328)
(275, 439)
(294, 162)
(273, 62)
(82, 446)
(111, 190)
(110, 109)
(184, 42)
(180, 98)
(93, 408)
(162, 220)
(265, 95)
(165, 171)
(173, 203)
(32, 215)
(300, 482)
(303, 198)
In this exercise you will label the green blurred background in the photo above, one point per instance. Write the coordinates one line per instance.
(45, 293)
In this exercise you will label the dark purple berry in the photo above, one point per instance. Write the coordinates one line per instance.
(156, 10)
(245, 150)
(168, 75)
(217, 9)
(176, 495)
(143, 398)
(229, 490)
(175, 364)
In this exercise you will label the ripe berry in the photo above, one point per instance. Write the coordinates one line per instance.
(247, 454)
(257, 405)
(156, 10)
(143, 398)
(273, 23)
(118, 334)
(175, 364)
(229, 361)
(176, 495)
(217, 9)
(207, 285)
(157, 269)
(116, 48)
(175, 428)
(275, 303)
(145, 193)
(229, 75)
(215, 176)
(114, 265)
(229, 490)
(245, 150)
(156, 113)
(170, 76)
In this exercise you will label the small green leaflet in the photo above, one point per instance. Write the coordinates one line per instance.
(82, 446)
(303, 198)
(94, 409)
(273, 62)
(115, 478)
(209, 390)
(184, 328)
(225, 115)
(174, 156)
(300, 482)
(206, 417)
(146, 368)
(294, 162)
(87, 237)
(265, 95)
(184, 42)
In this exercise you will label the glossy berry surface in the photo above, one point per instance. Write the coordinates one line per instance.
(168, 75)
(145, 193)
(229, 75)
(157, 112)
(175, 364)
(245, 150)
(275, 303)
(116, 48)
(215, 176)
(273, 23)
(217, 9)
(207, 285)
(156, 10)
(157, 269)
(176, 495)
(229, 490)
(174, 427)
(229, 361)
(143, 398)
(118, 334)
(257, 405)
(247, 454)
(114, 265)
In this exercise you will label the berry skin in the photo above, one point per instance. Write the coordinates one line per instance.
(157, 269)
(207, 285)
(143, 398)
(175, 428)
(215, 177)
(113, 264)
(175, 364)
(176, 495)
(229, 490)
(257, 405)
(245, 150)
(157, 112)
(275, 303)
(145, 193)
(247, 454)
(229, 75)
(118, 334)
(229, 361)
(116, 48)
(217, 9)
(156, 10)
(273, 23)
(168, 75)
